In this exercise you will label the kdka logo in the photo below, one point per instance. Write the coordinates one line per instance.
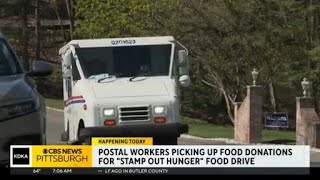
(20, 156)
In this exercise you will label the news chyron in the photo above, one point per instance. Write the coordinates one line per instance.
(131, 156)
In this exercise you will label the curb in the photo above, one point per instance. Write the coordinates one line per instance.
(315, 150)
(54, 109)
(225, 140)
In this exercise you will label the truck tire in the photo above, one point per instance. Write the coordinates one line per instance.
(82, 139)
(87, 141)
(165, 141)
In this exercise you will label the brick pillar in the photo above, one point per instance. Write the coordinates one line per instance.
(248, 119)
(237, 125)
(307, 122)
(314, 134)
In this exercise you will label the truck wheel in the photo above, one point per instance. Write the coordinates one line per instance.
(165, 141)
(83, 139)
(87, 141)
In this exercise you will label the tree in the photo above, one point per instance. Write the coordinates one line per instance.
(230, 38)
(123, 18)
(226, 40)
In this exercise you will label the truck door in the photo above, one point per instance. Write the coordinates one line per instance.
(68, 108)
(67, 93)
(74, 108)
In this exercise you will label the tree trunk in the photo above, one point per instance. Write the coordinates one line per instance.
(226, 98)
(311, 23)
(318, 23)
(61, 23)
(229, 107)
(315, 92)
(272, 97)
(316, 26)
(37, 30)
(69, 4)
(25, 38)
(309, 27)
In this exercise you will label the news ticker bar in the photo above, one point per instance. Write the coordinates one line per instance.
(140, 153)
(160, 171)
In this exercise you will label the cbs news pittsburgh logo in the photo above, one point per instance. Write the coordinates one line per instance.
(50, 156)
(20, 156)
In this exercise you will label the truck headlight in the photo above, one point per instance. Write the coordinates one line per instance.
(159, 110)
(110, 112)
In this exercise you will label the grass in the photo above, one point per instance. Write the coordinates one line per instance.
(205, 130)
(55, 103)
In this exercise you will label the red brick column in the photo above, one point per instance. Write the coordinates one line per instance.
(314, 134)
(248, 118)
(307, 123)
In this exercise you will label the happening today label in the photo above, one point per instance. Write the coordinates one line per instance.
(122, 141)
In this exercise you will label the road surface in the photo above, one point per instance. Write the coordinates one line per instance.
(55, 128)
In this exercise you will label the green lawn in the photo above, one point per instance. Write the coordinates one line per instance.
(205, 130)
(55, 103)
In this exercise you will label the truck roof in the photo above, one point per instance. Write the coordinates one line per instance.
(116, 42)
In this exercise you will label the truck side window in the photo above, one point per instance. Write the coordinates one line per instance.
(69, 89)
(75, 72)
(175, 68)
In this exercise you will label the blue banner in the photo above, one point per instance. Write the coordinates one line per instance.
(276, 120)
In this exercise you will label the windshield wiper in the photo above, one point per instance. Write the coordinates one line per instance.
(104, 78)
(100, 77)
(139, 75)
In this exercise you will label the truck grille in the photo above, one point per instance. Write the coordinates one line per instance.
(140, 113)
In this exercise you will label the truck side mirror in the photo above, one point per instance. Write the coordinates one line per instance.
(67, 73)
(183, 58)
(183, 71)
(185, 81)
(67, 60)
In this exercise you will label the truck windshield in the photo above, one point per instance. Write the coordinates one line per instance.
(153, 60)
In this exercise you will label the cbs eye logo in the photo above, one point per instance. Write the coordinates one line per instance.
(20, 156)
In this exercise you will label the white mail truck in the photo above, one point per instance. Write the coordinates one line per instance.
(124, 87)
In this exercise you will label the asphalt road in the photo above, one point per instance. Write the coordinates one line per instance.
(55, 128)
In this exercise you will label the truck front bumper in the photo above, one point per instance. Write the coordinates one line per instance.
(152, 130)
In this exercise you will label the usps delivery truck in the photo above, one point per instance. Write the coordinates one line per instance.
(127, 87)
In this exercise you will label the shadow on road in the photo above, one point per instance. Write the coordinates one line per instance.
(280, 141)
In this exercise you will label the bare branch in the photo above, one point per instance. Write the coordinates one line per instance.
(210, 84)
